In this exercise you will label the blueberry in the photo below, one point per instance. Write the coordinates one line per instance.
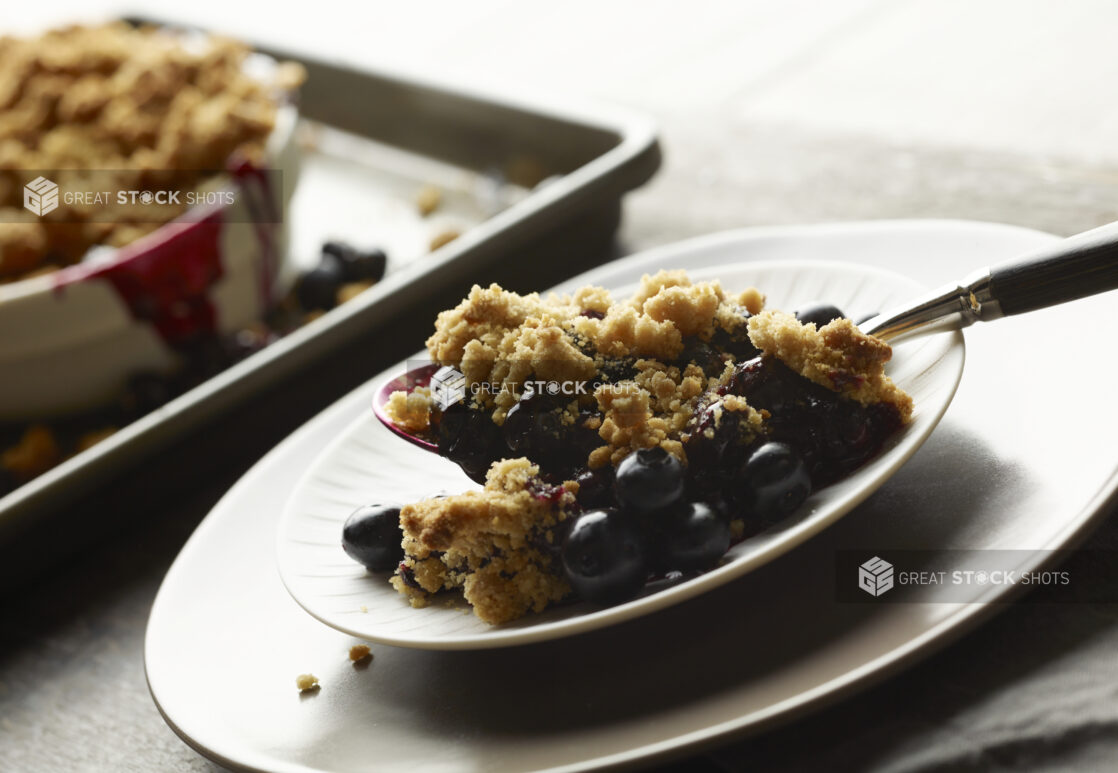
(603, 557)
(539, 428)
(819, 313)
(407, 574)
(318, 288)
(702, 354)
(533, 434)
(736, 343)
(612, 370)
(357, 265)
(694, 538)
(338, 249)
(518, 423)
(371, 537)
(776, 482)
(451, 423)
(470, 439)
(595, 487)
(847, 433)
(649, 479)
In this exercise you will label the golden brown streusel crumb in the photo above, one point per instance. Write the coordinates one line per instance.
(360, 652)
(502, 338)
(692, 309)
(626, 332)
(428, 199)
(443, 238)
(484, 542)
(306, 682)
(410, 411)
(591, 298)
(751, 299)
(838, 356)
(629, 423)
(485, 316)
(138, 102)
(652, 284)
(351, 290)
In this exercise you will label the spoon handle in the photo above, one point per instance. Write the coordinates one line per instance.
(1081, 265)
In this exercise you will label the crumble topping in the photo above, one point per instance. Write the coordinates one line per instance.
(410, 411)
(503, 339)
(837, 356)
(443, 238)
(306, 682)
(428, 199)
(148, 105)
(360, 652)
(493, 544)
(690, 309)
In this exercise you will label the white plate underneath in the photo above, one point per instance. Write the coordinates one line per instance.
(225, 640)
(368, 463)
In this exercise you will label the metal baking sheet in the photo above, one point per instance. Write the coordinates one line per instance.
(370, 141)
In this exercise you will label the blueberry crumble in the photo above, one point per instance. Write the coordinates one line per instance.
(498, 545)
(619, 441)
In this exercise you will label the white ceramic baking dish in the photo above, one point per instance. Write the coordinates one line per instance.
(69, 340)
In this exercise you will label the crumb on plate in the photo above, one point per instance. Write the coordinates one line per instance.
(428, 199)
(444, 237)
(351, 290)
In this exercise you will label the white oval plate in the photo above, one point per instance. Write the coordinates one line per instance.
(367, 463)
(225, 639)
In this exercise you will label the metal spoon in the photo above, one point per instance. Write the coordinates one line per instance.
(1081, 265)
(405, 382)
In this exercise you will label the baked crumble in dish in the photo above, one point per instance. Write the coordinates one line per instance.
(622, 440)
(147, 108)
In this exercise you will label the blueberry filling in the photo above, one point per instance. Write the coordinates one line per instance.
(832, 435)
(408, 576)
